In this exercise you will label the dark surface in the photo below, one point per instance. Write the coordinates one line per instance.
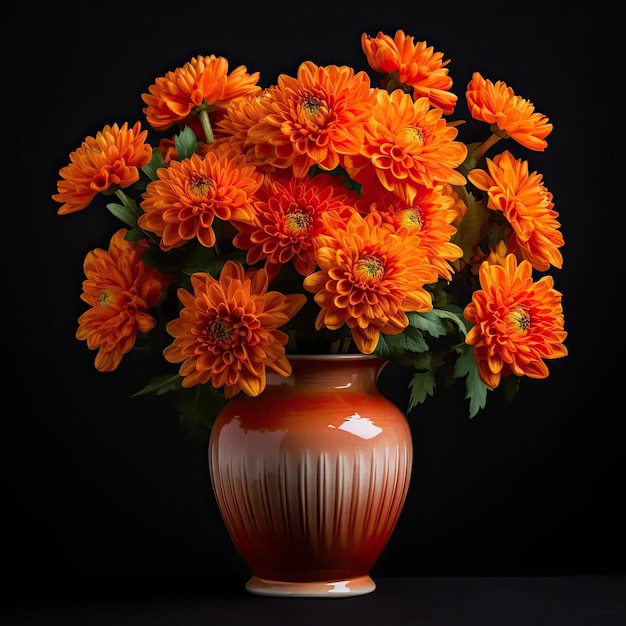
(545, 601)
(98, 486)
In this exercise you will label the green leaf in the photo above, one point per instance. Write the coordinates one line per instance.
(156, 162)
(135, 234)
(199, 258)
(401, 346)
(160, 260)
(421, 386)
(186, 143)
(199, 406)
(470, 160)
(476, 390)
(124, 213)
(470, 231)
(160, 385)
(434, 322)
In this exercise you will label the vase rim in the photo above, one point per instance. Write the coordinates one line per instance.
(335, 356)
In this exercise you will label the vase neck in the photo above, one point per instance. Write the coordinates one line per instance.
(355, 372)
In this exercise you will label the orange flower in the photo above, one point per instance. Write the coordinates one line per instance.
(527, 206)
(183, 202)
(120, 288)
(412, 65)
(202, 83)
(407, 145)
(315, 117)
(497, 105)
(233, 128)
(459, 206)
(428, 215)
(517, 322)
(167, 148)
(368, 279)
(108, 161)
(288, 216)
(228, 330)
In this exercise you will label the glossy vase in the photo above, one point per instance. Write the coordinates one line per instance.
(311, 476)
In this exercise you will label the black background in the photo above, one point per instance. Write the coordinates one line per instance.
(101, 487)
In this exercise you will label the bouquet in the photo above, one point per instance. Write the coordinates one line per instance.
(334, 211)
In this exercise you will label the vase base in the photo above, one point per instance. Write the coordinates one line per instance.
(347, 588)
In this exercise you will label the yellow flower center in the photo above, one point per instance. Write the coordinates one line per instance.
(220, 331)
(410, 218)
(520, 318)
(312, 109)
(369, 269)
(297, 222)
(414, 135)
(200, 185)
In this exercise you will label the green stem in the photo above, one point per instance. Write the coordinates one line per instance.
(205, 122)
(217, 229)
(480, 151)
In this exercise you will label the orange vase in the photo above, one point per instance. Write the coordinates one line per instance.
(311, 476)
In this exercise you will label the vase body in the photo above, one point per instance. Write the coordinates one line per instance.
(311, 476)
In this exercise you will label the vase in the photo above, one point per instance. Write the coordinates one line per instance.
(311, 476)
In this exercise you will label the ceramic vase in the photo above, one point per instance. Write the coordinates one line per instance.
(311, 476)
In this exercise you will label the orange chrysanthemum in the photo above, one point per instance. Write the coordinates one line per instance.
(407, 145)
(428, 215)
(233, 128)
(315, 117)
(203, 82)
(368, 279)
(527, 206)
(167, 148)
(121, 289)
(109, 160)
(412, 65)
(228, 330)
(183, 202)
(458, 204)
(288, 216)
(517, 322)
(497, 105)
